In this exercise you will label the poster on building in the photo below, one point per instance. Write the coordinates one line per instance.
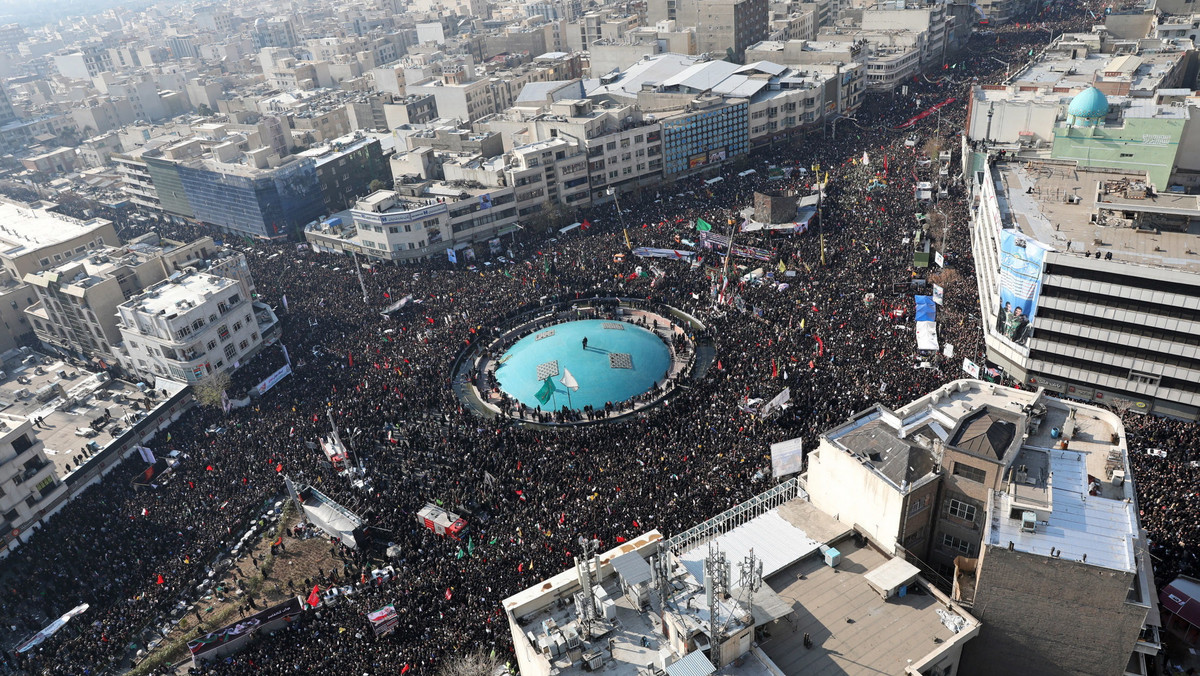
(451, 255)
(716, 156)
(1021, 262)
(485, 201)
(434, 234)
(697, 160)
(494, 246)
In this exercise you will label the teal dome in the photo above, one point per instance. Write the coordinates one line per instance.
(1089, 104)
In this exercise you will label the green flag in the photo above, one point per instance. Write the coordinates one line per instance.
(471, 546)
(543, 395)
(459, 555)
(703, 225)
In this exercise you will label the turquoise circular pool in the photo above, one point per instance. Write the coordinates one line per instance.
(621, 361)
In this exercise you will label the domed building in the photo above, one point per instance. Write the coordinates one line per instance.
(1088, 108)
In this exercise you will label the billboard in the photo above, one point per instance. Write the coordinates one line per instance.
(1021, 263)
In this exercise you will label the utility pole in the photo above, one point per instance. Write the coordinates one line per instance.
(361, 283)
(620, 214)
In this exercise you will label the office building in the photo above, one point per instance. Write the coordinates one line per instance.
(1019, 504)
(1085, 274)
(345, 169)
(34, 236)
(254, 199)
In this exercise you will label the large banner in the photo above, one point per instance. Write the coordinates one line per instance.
(272, 379)
(652, 252)
(720, 244)
(1021, 263)
(233, 635)
(787, 457)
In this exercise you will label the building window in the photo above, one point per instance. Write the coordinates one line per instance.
(223, 332)
(183, 332)
(970, 473)
(198, 323)
(917, 505)
(956, 544)
(230, 351)
(244, 344)
(237, 326)
(962, 510)
(212, 344)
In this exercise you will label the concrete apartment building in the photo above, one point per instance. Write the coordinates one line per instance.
(34, 236)
(722, 26)
(467, 101)
(27, 478)
(187, 326)
(1019, 504)
(76, 309)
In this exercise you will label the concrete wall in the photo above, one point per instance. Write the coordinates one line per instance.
(843, 487)
(1044, 616)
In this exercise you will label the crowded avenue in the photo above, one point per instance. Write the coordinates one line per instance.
(828, 323)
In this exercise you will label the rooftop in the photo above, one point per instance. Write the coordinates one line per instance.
(854, 630)
(170, 295)
(856, 626)
(25, 229)
(91, 397)
(1045, 215)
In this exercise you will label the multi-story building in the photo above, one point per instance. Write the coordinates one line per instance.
(188, 326)
(84, 63)
(711, 131)
(722, 26)
(33, 236)
(258, 198)
(278, 31)
(27, 477)
(465, 101)
(346, 167)
(76, 304)
(1092, 296)
(821, 602)
(1020, 505)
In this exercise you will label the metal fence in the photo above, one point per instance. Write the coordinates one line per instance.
(732, 518)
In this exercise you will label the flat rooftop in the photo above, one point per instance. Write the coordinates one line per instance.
(196, 286)
(25, 230)
(1100, 526)
(61, 442)
(854, 630)
(1045, 215)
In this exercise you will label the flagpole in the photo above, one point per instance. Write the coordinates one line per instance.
(725, 267)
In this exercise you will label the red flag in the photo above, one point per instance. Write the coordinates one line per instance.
(385, 294)
(350, 356)
(774, 369)
(278, 542)
(620, 539)
(160, 579)
(209, 468)
(314, 597)
(820, 346)
(586, 224)
(635, 524)
(407, 666)
(448, 594)
(279, 467)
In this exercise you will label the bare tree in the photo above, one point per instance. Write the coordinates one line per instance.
(208, 390)
(477, 663)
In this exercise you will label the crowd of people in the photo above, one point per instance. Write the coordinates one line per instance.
(840, 335)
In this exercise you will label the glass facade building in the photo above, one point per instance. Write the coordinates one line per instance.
(709, 136)
(266, 203)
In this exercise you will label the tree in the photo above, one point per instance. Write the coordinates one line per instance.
(477, 663)
(208, 390)
(204, 110)
(377, 184)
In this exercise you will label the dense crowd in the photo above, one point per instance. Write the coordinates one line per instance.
(840, 335)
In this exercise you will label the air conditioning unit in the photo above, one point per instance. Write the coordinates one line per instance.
(1028, 522)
